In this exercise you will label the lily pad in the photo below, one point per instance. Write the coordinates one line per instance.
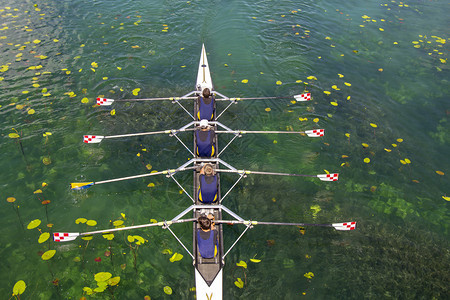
(33, 224)
(43, 237)
(91, 223)
(48, 254)
(102, 276)
(239, 283)
(19, 287)
(176, 257)
(242, 264)
(168, 290)
(114, 281)
(80, 220)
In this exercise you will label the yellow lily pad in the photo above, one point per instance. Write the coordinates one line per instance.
(176, 257)
(168, 290)
(254, 260)
(367, 160)
(43, 237)
(91, 223)
(244, 81)
(80, 220)
(239, 283)
(14, 135)
(109, 236)
(118, 223)
(114, 281)
(33, 224)
(242, 264)
(48, 254)
(102, 276)
(19, 287)
(130, 238)
(309, 275)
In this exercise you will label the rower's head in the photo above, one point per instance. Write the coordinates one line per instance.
(209, 170)
(204, 124)
(206, 93)
(204, 223)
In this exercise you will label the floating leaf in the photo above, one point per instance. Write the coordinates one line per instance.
(80, 220)
(168, 290)
(367, 160)
(239, 283)
(440, 173)
(148, 166)
(242, 264)
(399, 140)
(334, 103)
(48, 254)
(39, 191)
(373, 125)
(365, 145)
(268, 109)
(33, 224)
(279, 82)
(113, 112)
(407, 161)
(309, 275)
(347, 135)
(311, 78)
(11, 199)
(446, 198)
(130, 238)
(254, 260)
(87, 238)
(316, 209)
(117, 223)
(316, 120)
(19, 287)
(244, 81)
(166, 251)
(151, 184)
(327, 92)
(109, 236)
(14, 135)
(114, 281)
(139, 239)
(136, 91)
(91, 223)
(85, 100)
(347, 84)
(102, 276)
(403, 162)
(176, 257)
(46, 161)
(94, 64)
(43, 237)
(340, 75)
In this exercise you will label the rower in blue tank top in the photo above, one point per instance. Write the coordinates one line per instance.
(205, 106)
(207, 190)
(207, 240)
(205, 137)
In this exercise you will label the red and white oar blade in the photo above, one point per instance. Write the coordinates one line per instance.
(92, 139)
(104, 101)
(329, 177)
(315, 132)
(65, 236)
(302, 97)
(344, 226)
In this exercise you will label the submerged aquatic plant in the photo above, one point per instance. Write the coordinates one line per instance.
(12, 200)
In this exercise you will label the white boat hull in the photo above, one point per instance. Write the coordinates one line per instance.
(205, 292)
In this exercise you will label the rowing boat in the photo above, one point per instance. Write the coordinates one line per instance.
(208, 271)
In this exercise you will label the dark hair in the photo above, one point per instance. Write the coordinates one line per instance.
(206, 93)
(204, 223)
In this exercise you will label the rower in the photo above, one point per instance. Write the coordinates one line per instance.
(205, 140)
(205, 105)
(207, 240)
(207, 190)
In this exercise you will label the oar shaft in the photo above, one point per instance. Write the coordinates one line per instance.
(263, 173)
(270, 223)
(256, 131)
(144, 175)
(254, 98)
(148, 133)
(138, 226)
(157, 99)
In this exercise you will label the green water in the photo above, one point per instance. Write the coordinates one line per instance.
(392, 54)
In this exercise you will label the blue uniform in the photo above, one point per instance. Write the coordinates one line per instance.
(207, 191)
(205, 143)
(205, 108)
(207, 247)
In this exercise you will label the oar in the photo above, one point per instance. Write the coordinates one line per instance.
(85, 185)
(107, 101)
(93, 139)
(310, 133)
(337, 226)
(323, 177)
(298, 98)
(70, 236)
